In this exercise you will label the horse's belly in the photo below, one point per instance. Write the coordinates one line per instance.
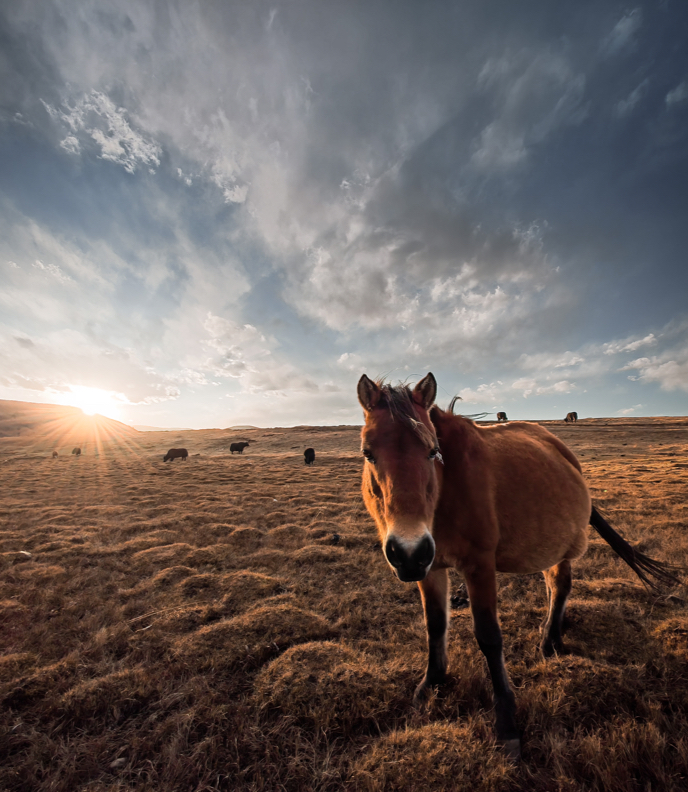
(536, 533)
(529, 558)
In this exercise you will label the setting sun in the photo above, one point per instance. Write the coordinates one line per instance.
(94, 400)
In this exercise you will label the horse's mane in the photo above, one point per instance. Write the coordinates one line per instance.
(399, 402)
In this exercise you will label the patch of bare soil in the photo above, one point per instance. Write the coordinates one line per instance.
(229, 623)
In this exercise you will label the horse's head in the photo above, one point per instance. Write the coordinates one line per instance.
(400, 480)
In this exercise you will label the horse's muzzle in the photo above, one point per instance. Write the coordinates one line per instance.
(410, 564)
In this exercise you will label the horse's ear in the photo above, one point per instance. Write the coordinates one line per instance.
(369, 393)
(425, 391)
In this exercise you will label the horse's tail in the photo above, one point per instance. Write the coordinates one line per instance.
(654, 574)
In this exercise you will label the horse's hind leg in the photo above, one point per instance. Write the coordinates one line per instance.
(558, 582)
(434, 591)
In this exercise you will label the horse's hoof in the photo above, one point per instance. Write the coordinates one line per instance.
(424, 693)
(511, 749)
(427, 687)
(421, 696)
(550, 648)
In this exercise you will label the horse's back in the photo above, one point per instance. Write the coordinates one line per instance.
(530, 436)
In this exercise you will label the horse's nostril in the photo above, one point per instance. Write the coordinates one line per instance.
(425, 552)
(394, 553)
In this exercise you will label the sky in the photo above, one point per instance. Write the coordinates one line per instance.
(222, 213)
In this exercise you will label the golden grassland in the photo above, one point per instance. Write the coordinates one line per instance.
(229, 622)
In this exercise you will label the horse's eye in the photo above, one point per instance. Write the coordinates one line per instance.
(369, 456)
(435, 454)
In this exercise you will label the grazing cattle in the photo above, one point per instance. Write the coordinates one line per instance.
(445, 492)
(238, 447)
(54, 454)
(176, 453)
(309, 456)
(76, 451)
(571, 417)
(501, 416)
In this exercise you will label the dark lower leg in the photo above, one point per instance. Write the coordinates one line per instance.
(435, 593)
(558, 580)
(489, 638)
(482, 591)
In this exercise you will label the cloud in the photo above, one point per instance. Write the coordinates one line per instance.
(677, 95)
(623, 35)
(483, 394)
(671, 374)
(501, 393)
(459, 281)
(432, 201)
(71, 144)
(534, 94)
(350, 361)
(530, 387)
(629, 410)
(237, 349)
(348, 226)
(60, 256)
(116, 342)
(669, 366)
(65, 358)
(626, 106)
(245, 354)
(53, 269)
(96, 117)
(629, 344)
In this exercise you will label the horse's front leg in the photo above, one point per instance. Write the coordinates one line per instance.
(434, 591)
(481, 583)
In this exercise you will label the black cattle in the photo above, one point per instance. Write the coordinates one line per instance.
(176, 453)
(238, 447)
(309, 456)
(76, 451)
(501, 416)
(571, 417)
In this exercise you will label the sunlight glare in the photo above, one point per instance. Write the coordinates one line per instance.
(94, 400)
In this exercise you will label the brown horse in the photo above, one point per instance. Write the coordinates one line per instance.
(54, 454)
(571, 417)
(500, 498)
(501, 416)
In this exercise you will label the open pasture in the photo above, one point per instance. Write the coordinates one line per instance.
(229, 622)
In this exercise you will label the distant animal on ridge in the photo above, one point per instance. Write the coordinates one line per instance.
(76, 451)
(54, 454)
(501, 416)
(309, 456)
(571, 417)
(238, 447)
(176, 453)
(445, 492)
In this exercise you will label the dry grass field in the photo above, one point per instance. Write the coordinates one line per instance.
(229, 622)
